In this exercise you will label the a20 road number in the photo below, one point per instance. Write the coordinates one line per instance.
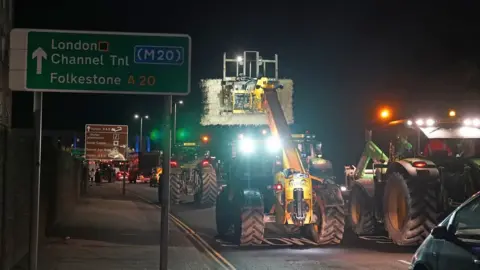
(142, 80)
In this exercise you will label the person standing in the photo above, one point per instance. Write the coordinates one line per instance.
(437, 147)
(98, 177)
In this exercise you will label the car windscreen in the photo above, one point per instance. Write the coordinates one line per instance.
(467, 221)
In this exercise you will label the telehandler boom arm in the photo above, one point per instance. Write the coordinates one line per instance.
(278, 124)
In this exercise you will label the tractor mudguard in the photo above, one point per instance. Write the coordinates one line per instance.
(367, 185)
(206, 169)
(331, 195)
(430, 173)
(252, 197)
(176, 171)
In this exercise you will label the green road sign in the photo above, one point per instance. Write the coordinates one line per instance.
(104, 62)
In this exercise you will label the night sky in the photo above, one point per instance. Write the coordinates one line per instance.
(345, 57)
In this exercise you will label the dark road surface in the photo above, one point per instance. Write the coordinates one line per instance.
(281, 251)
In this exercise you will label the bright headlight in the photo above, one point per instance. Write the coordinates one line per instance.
(471, 122)
(430, 122)
(273, 144)
(247, 145)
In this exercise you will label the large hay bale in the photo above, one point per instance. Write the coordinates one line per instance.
(214, 113)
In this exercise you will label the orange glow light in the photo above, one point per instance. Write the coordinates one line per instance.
(385, 113)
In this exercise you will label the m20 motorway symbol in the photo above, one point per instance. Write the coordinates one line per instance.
(159, 55)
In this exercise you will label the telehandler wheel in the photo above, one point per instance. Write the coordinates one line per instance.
(330, 224)
(175, 187)
(362, 215)
(410, 209)
(248, 223)
(206, 192)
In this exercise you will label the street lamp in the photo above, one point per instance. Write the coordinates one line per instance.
(180, 102)
(137, 116)
(239, 63)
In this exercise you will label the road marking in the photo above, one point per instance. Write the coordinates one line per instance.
(377, 238)
(404, 262)
(212, 252)
(266, 242)
(374, 237)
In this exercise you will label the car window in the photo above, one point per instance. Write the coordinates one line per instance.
(467, 221)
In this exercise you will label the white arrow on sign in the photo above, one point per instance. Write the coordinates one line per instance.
(40, 54)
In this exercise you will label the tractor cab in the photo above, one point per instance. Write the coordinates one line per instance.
(256, 156)
(185, 152)
(458, 139)
(431, 139)
(190, 153)
(310, 150)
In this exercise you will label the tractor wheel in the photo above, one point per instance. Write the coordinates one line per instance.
(222, 214)
(329, 226)
(248, 226)
(362, 215)
(410, 209)
(175, 187)
(206, 192)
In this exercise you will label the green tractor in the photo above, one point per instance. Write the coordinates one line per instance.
(432, 166)
(193, 172)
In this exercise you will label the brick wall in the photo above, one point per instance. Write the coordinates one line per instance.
(60, 189)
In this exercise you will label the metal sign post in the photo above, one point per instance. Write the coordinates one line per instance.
(166, 186)
(105, 62)
(34, 224)
(123, 179)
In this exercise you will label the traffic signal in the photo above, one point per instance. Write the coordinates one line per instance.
(155, 135)
(205, 139)
(452, 113)
(182, 134)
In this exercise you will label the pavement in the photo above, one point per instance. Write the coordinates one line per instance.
(280, 251)
(109, 230)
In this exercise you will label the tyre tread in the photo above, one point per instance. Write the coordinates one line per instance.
(252, 226)
(423, 213)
